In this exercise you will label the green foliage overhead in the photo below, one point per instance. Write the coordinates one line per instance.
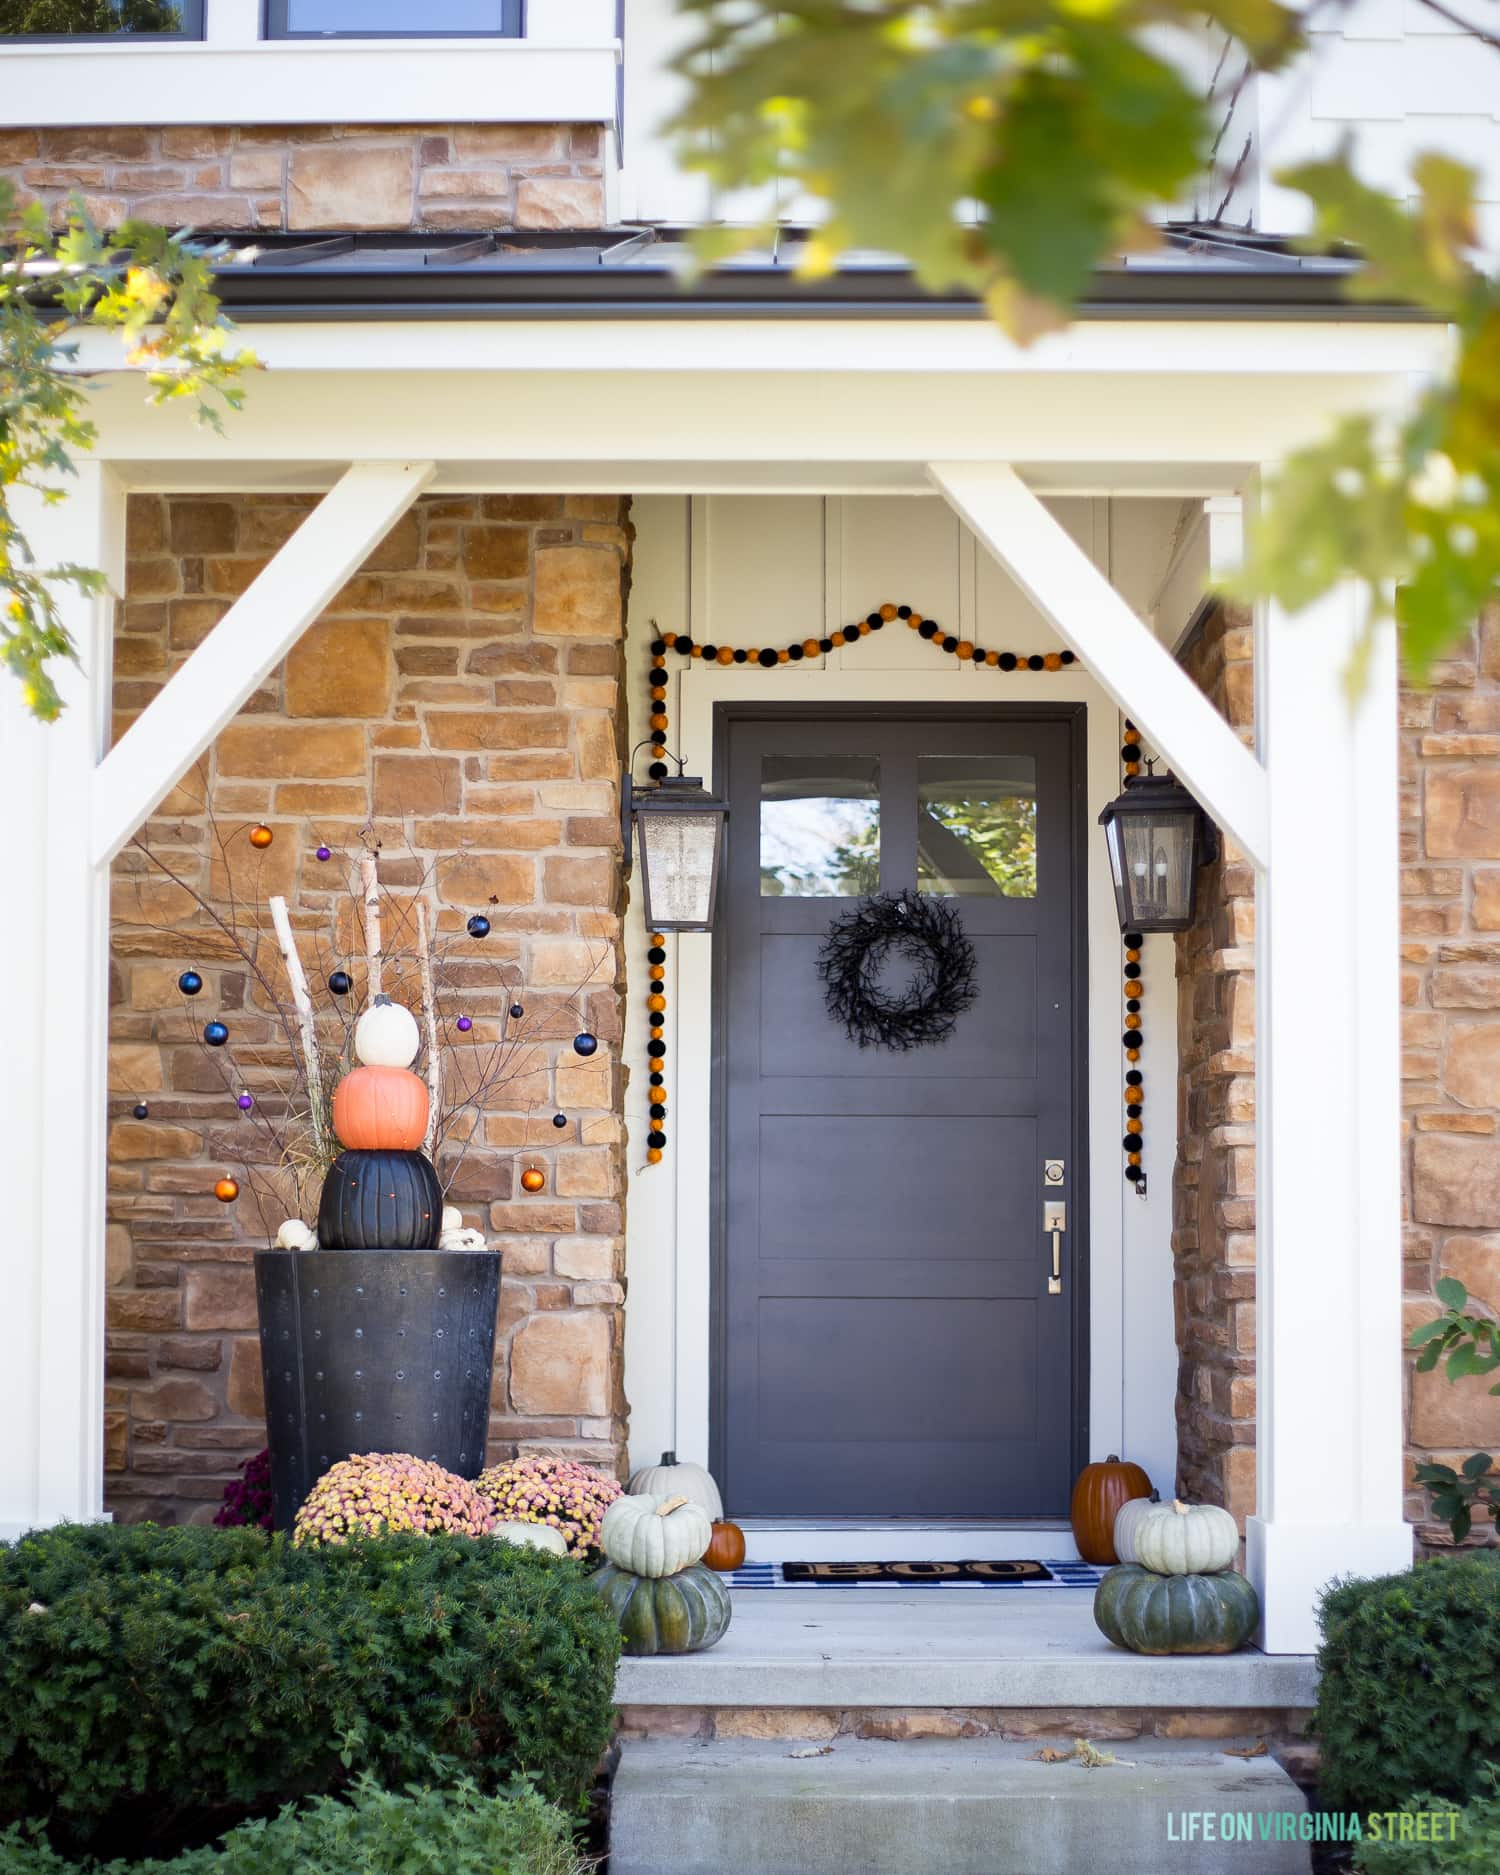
(1008, 147)
(156, 291)
(89, 17)
(1406, 1699)
(375, 1832)
(157, 1686)
(1471, 1345)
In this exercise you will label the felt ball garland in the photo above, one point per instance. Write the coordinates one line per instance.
(1134, 1038)
(767, 657)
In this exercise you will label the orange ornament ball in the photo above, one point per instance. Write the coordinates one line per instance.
(380, 1110)
(261, 836)
(533, 1179)
(227, 1190)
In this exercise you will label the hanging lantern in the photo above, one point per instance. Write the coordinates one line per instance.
(679, 830)
(1157, 837)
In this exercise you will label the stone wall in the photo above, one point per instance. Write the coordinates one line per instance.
(347, 176)
(457, 704)
(1450, 881)
(1213, 1200)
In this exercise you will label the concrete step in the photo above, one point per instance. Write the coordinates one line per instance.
(940, 1807)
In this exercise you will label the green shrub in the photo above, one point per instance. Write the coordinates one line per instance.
(1474, 1848)
(1407, 1698)
(450, 1832)
(157, 1686)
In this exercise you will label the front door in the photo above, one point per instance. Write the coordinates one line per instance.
(888, 1342)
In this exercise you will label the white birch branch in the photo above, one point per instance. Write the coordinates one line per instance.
(303, 1003)
(430, 1029)
(370, 882)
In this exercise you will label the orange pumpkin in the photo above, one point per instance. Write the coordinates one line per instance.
(380, 1110)
(726, 1547)
(1097, 1497)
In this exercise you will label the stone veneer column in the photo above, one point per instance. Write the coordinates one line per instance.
(1213, 1233)
(458, 701)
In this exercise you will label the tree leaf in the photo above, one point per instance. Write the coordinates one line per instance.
(1450, 1292)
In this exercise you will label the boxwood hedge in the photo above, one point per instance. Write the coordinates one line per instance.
(158, 1685)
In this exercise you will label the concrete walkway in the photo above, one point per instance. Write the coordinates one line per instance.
(946, 1647)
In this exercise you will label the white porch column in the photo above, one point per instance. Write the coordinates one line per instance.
(1328, 1205)
(56, 972)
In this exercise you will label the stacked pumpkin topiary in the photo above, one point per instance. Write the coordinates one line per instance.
(1175, 1590)
(381, 1192)
(664, 1598)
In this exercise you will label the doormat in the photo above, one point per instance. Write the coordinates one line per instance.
(917, 1575)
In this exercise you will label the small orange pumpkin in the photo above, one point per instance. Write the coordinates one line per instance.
(726, 1546)
(1097, 1497)
(380, 1110)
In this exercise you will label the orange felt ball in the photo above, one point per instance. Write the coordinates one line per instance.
(653, 1155)
(992, 658)
(1132, 735)
(227, 1190)
(965, 649)
(669, 639)
(1132, 1054)
(887, 612)
(656, 1002)
(783, 657)
(810, 647)
(1052, 661)
(533, 1179)
(726, 654)
(380, 1110)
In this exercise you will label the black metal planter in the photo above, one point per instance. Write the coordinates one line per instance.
(374, 1351)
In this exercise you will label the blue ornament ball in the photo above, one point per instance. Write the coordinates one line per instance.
(215, 1034)
(141, 1110)
(245, 1102)
(559, 1119)
(516, 1011)
(190, 983)
(464, 1024)
(340, 983)
(585, 1044)
(325, 852)
(478, 926)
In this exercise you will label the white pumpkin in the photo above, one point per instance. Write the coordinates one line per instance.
(669, 1479)
(386, 1035)
(532, 1536)
(1127, 1524)
(453, 1218)
(295, 1235)
(654, 1536)
(463, 1240)
(1180, 1539)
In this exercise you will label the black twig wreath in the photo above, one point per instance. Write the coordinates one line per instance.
(858, 943)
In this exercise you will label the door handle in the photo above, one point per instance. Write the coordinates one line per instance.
(1055, 1222)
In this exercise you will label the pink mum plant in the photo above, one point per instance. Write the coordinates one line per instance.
(376, 1492)
(570, 1496)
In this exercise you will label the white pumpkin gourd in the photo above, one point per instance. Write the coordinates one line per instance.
(654, 1536)
(386, 1035)
(671, 1479)
(1180, 1539)
(532, 1536)
(1127, 1524)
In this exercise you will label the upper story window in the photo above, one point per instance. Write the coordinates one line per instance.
(392, 19)
(101, 19)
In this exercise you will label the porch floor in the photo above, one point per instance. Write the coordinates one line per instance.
(946, 1647)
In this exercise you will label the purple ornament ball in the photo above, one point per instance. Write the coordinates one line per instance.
(465, 1023)
(245, 1102)
(325, 852)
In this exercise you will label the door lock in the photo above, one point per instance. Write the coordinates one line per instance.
(1055, 1222)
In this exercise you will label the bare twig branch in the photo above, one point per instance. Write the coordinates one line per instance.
(304, 1008)
(430, 1025)
(369, 873)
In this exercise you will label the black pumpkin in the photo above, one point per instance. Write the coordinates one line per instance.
(380, 1201)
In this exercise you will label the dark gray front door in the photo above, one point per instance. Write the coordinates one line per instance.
(887, 1343)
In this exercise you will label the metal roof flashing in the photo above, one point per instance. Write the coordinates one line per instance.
(626, 272)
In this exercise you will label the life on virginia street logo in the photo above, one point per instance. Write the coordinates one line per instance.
(1310, 1826)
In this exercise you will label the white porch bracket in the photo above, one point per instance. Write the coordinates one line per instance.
(247, 643)
(1120, 652)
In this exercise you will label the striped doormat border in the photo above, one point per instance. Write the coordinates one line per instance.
(1063, 1575)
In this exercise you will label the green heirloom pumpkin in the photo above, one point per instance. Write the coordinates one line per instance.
(1154, 1614)
(679, 1614)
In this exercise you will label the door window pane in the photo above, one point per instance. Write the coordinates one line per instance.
(819, 826)
(100, 19)
(374, 18)
(976, 825)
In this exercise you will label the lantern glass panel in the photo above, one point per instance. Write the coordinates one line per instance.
(1152, 858)
(679, 864)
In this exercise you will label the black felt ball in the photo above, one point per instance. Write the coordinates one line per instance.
(1007, 660)
(658, 1080)
(656, 1139)
(658, 647)
(657, 771)
(656, 1050)
(1134, 1110)
(950, 643)
(1036, 662)
(1133, 940)
(927, 629)
(903, 611)
(1132, 1005)
(1132, 971)
(874, 620)
(1134, 1077)
(710, 652)
(658, 1111)
(1133, 1038)
(656, 955)
(825, 645)
(740, 654)
(796, 653)
(684, 644)
(766, 659)
(1067, 657)
(1132, 1142)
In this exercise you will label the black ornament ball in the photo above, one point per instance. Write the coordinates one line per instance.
(340, 982)
(516, 1012)
(141, 1110)
(190, 983)
(585, 1044)
(559, 1120)
(215, 1034)
(478, 926)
